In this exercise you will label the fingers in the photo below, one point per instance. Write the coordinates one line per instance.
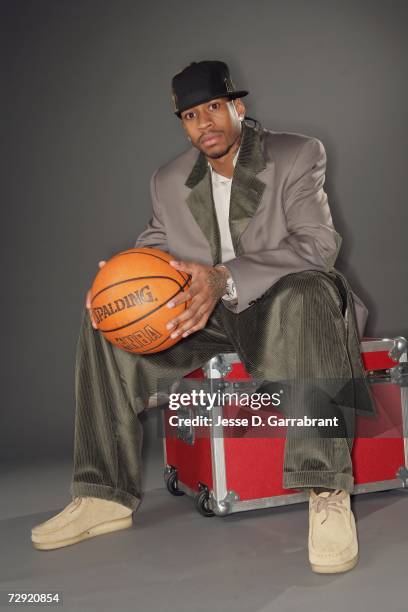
(196, 314)
(183, 296)
(192, 319)
(189, 311)
(200, 325)
(185, 266)
(89, 308)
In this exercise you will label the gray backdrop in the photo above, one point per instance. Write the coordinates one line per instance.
(86, 119)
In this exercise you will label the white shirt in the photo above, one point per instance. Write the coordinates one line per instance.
(221, 187)
(222, 193)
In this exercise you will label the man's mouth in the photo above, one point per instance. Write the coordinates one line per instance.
(209, 139)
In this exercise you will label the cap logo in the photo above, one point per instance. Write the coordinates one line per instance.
(174, 100)
(228, 83)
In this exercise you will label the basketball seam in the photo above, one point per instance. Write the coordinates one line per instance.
(132, 252)
(127, 280)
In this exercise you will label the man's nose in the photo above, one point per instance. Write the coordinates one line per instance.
(204, 120)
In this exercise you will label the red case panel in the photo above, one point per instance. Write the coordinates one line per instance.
(254, 466)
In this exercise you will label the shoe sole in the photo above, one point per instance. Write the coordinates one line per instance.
(334, 569)
(101, 529)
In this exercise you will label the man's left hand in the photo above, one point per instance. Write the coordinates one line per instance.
(208, 285)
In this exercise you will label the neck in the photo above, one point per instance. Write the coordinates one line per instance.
(225, 165)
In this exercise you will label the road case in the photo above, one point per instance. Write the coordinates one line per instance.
(232, 473)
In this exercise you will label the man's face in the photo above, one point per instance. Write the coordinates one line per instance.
(214, 126)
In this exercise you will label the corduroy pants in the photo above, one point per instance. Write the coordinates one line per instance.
(299, 335)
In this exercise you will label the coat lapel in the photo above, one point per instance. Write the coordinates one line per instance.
(246, 192)
(246, 189)
(201, 204)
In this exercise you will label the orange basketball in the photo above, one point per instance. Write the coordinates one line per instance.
(129, 297)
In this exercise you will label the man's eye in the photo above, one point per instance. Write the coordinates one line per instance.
(215, 105)
(188, 115)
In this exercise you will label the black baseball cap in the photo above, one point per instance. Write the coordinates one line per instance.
(200, 82)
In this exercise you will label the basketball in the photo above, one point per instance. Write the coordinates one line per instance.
(129, 297)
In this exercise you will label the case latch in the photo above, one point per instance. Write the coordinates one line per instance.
(397, 375)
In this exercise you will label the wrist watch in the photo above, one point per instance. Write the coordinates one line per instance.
(230, 294)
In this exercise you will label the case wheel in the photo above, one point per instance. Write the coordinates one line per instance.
(172, 482)
(201, 501)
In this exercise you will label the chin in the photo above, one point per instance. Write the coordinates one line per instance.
(215, 154)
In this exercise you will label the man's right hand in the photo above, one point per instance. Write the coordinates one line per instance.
(88, 299)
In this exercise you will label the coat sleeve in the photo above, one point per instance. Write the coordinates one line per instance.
(312, 243)
(154, 235)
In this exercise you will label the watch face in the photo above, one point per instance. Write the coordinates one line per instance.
(231, 287)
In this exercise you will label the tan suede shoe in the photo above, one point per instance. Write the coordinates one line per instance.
(83, 518)
(333, 545)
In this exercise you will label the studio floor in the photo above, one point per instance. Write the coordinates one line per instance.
(173, 559)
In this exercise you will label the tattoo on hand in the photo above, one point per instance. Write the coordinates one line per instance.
(217, 280)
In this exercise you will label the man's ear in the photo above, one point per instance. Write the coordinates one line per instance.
(240, 108)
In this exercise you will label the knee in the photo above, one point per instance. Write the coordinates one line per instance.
(310, 288)
(306, 283)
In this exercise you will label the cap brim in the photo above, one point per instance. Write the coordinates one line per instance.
(231, 95)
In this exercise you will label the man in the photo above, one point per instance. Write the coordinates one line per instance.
(243, 211)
